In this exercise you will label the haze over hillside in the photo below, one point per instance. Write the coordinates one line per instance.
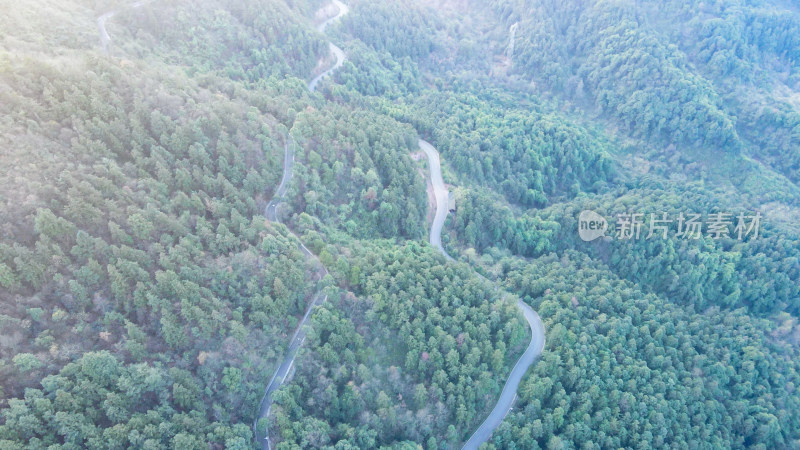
(421, 224)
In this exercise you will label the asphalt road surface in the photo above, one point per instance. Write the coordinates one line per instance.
(535, 347)
(509, 393)
(338, 53)
(288, 162)
(271, 213)
(286, 366)
(105, 38)
(441, 194)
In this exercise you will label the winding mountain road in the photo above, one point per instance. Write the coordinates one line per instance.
(280, 375)
(337, 52)
(271, 213)
(105, 38)
(509, 393)
(441, 194)
(535, 347)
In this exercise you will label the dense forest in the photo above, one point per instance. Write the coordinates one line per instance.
(146, 301)
(359, 386)
(357, 174)
(636, 371)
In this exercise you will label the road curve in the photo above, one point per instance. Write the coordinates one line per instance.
(101, 24)
(105, 38)
(512, 31)
(338, 53)
(535, 347)
(441, 194)
(509, 393)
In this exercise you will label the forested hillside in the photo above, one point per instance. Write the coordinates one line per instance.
(357, 173)
(146, 301)
(141, 286)
(411, 354)
(636, 371)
